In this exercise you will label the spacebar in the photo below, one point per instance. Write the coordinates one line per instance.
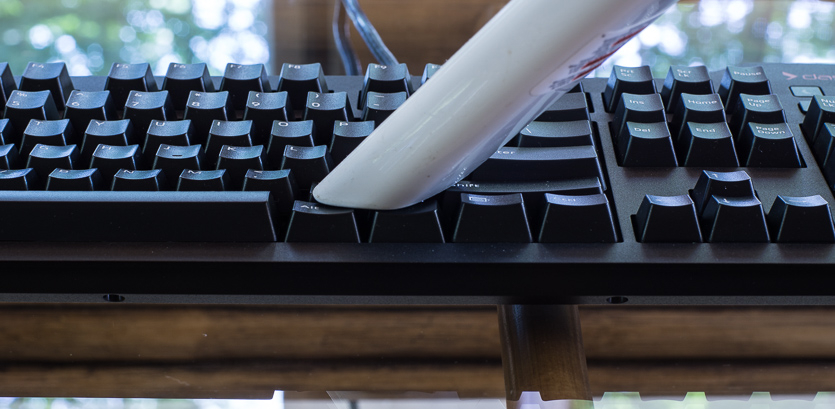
(136, 216)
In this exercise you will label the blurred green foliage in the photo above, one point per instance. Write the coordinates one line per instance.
(718, 33)
(90, 35)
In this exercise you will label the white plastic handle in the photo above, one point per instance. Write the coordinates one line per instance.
(521, 61)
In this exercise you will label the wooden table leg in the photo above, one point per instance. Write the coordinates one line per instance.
(542, 351)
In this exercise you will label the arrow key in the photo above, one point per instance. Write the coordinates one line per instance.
(734, 219)
(806, 91)
(801, 220)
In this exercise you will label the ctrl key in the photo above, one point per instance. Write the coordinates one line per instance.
(801, 220)
(577, 219)
(667, 219)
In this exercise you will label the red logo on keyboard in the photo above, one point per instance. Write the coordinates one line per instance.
(810, 77)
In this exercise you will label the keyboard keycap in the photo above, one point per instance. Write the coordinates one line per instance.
(823, 149)
(7, 84)
(324, 110)
(74, 179)
(667, 219)
(707, 145)
(232, 133)
(124, 78)
(263, 108)
(9, 157)
(299, 79)
(109, 159)
(706, 109)
(646, 145)
(309, 164)
(347, 136)
(280, 183)
(203, 180)
(762, 109)
(768, 145)
(203, 109)
(139, 180)
(553, 134)
(685, 80)
(163, 216)
(141, 108)
(241, 79)
(284, 133)
(734, 219)
(577, 219)
(492, 219)
(630, 80)
(115, 133)
(173, 133)
(418, 223)
(46, 158)
(378, 106)
(742, 80)
(386, 79)
(428, 71)
(645, 109)
(52, 77)
(801, 220)
(821, 111)
(23, 106)
(237, 160)
(539, 164)
(183, 79)
(174, 160)
(570, 107)
(5, 131)
(805, 91)
(85, 106)
(735, 184)
(58, 132)
(316, 223)
(19, 179)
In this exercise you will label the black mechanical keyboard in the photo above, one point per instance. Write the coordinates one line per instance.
(701, 187)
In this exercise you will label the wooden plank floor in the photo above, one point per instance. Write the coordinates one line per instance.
(248, 351)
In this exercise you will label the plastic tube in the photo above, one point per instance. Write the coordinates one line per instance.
(522, 60)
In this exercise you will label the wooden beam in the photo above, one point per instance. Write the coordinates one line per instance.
(258, 380)
(227, 351)
(148, 333)
(656, 333)
(248, 380)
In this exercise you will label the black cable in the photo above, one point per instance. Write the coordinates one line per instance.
(341, 35)
(369, 33)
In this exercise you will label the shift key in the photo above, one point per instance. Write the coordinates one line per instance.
(539, 164)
